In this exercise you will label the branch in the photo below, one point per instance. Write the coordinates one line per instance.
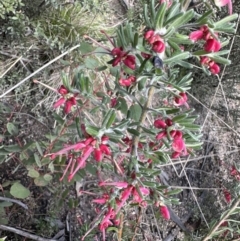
(209, 235)
(14, 201)
(24, 234)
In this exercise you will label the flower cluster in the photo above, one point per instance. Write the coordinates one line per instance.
(127, 82)
(77, 154)
(67, 99)
(235, 173)
(211, 45)
(121, 56)
(178, 144)
(111, 216)
(227, 195)
(156, 42)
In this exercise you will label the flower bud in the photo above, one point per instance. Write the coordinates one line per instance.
(160, 124)
(98, 155)
(165, 212)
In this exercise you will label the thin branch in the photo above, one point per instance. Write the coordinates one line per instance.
(14, 201)
(40, 69)
(24, 234)
(214, 230)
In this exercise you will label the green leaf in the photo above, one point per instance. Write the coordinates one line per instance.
(226, 20)
(158, 23)
(19, 191)
(92, 130)
(40, 181)
(33, 173)
(221, 60)
(12, 148)
(12, 129)
(37, 159)
(135, 112)
(48, 177)
(122, 105)
(133, 132)
(85, 48)
(180, 56)
(181, 20)
(39, 148)
(91, 63)
(109, 118)
(5, 204)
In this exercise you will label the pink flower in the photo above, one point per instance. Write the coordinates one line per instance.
(69, 103)
(196, 35)
(149, 34)
(126, 193)
(81, 161)
(176, 154)
(137, 197)
(221, 3)
(214, 68)
(125, 82)
(182, 100)
(161, 135)
(160, 124)
(158, 46)
(178, 145)
(106, 220)
(212, 45)
(62, 90)
(59, 102)
(165, 212)
(105, 149)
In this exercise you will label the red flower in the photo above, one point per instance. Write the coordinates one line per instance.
(69, 103)
(130, 62)
(176, 154)
(165, 212)
(160, 124)
(98, 154)
(158, 46)
(62, 90)
(212, 45)
(227, 195)
(145, 55)
(169, 122)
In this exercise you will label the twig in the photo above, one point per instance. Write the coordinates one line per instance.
(15, 56)
(24, 234)
(214, 230)
(14, 201)
(139, 128)
(40, 69)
